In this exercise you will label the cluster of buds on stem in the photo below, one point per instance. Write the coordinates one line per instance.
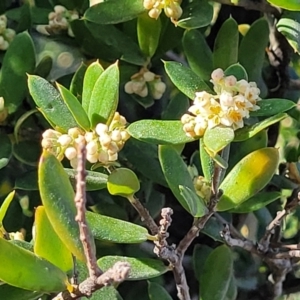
(233, 102)
(59, 21)
(171, 8)
(202, 187)
(143, 81)
(6, 34)
(102, 144)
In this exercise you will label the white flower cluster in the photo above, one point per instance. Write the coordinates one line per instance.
(143, 81)
(102, 144)
(59, 21)
(6, 34)
(231, 104)
(171, 8)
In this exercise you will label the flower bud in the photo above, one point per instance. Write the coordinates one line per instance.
(217, 75)
(1, 103)
(51, 134)
(101, 129)
(70, 153)
(116, 136)
(89, 136)
(74, 163)
(91, 147)
(105, 140)
(148, 4)
(138, 86)
(160, 87)
(9, 34)
(125, 135)
(74, 132)
(144, 92)
(113, 157)
(128, 87)
(92, 158)
(59, 9)
(149, 76)
(103, 157)
(154, 13)
(64, 140)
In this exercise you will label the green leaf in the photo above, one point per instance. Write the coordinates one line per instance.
(248, 177)
(105, 12)
(48, 245)
(197, 14)
(198, 53)
(123, 182)
(207, 163)
(50, 103)
(212, 228)
(236, 70)
(217, 274)
(76, 86)
(289, 5)
(256, 202)
(137, 153)
(176, 173)
(74, 107)
(110, 43)
(33, 273)
(58, 198)
(159, 132)
(140, 268)
(4, 206)
(195, 203)
(5, 150)
(94, 180)
(223, 55)
(252, 49)
(289, 26)
(19, 59)
(148, 31)
(249, 131)
(13, 293)
(217, 138)
(178, 105)
(270, 107)
(200, 255)
(114, 230)
(156, 291)
(91, 76)
(27, 152)
(185, 79)
(104, 98)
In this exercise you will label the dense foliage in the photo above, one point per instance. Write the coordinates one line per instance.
(149, 149)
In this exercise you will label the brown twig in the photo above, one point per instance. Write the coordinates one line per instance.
(80, 201)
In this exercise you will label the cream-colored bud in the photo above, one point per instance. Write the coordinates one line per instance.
(4, 46)
(92, 147)
(89, 136)
(94, 2)
(47, 143)
(70, 153)
(149, 76)
(92, 158)
(128, 87)
(144, 92)
(116, 136)
(112, 148)
(1, 103)
(42, 29)
(186, 118)
(52, 15)
(156, 95)
(80, 140)
(138, 86)
(113, 157)
(51, 134)
(59, 9)
(148, 4)
(160, 87)
(217, 75)
(103, 156)
(105, 140)
(74, 132)
(125, 135)
(230, 80)
(122, 121)
(74, 163)
(64, 140)
(154, 13)
(101, 129)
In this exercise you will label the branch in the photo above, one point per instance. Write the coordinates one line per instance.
(80, 201)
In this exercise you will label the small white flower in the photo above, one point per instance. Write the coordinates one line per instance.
(217, 75)
(128, 87)
(64, 140)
